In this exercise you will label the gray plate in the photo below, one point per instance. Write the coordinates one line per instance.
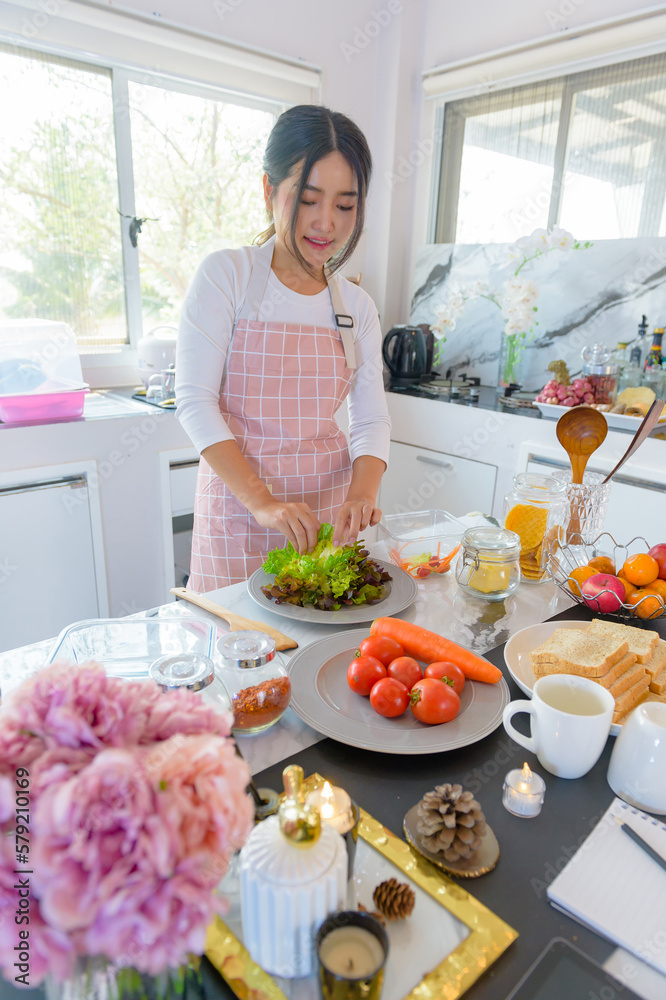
(401, 591)
(321, 697)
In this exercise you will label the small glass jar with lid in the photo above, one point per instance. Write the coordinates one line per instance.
(194, 672)
(259, 686)
(601, 373)
(488, 563)
(535, 509)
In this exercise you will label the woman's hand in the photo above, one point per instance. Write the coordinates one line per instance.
(354, 516)
(297, 522)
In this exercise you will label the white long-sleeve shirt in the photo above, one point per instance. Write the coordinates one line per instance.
(210, 311)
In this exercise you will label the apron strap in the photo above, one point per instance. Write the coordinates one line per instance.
(261, 268)
(343, 321)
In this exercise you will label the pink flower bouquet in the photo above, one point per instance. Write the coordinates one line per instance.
(120, 807)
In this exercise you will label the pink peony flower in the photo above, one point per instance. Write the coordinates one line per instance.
(137, 802)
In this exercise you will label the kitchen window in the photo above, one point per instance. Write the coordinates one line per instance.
(94, 159)
(586, 152)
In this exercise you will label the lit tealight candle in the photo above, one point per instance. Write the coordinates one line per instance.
(335, 806)
(351, 952)
(523, 792)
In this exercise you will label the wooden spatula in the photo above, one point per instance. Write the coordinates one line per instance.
(235, 621)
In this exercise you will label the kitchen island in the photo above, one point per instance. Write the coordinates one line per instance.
(531, 851)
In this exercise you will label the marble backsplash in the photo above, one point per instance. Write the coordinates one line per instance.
(585, 296)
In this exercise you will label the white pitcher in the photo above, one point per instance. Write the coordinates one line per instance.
(637, 769)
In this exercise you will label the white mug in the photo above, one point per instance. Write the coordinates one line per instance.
(637, 769)
(570, 720)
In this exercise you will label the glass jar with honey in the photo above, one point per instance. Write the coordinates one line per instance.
(535, 509)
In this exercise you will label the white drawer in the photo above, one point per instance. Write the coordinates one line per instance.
(420, 479)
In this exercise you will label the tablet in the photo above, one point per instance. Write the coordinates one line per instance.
(562, 972)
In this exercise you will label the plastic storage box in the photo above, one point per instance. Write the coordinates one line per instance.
(40, 372)
(128, 646)
(421, 542)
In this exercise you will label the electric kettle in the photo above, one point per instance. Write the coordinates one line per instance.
(405, 351)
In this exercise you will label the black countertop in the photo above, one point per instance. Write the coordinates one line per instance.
(489, 398)
(533, 851)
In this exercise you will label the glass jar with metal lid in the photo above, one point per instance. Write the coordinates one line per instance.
(535, 509)
(488, 564)
(194, 672)
(259, 686)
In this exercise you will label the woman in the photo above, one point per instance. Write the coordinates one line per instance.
(271, 343)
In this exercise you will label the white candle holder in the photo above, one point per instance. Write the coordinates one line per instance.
(523, 792)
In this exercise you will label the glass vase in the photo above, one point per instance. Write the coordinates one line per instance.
(512, 364)
(96, 979)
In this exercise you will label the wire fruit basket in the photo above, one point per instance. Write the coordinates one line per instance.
(564, 558)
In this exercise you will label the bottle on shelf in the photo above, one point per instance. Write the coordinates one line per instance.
(655, 356)
(636, 353)
(620, 356)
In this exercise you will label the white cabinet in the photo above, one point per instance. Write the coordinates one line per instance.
(51, 557)
(421, 479)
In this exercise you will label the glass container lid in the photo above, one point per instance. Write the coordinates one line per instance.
(246, 649)
(183, 670)
(596, 358)
(492, 542)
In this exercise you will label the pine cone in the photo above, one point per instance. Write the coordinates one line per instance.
(394, 899)
(450, 822)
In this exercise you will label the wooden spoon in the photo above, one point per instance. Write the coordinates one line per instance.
(236, 622)
(650, 421)
(580, 431)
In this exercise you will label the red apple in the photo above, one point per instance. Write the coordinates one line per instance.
(658, 552)
(608, 602)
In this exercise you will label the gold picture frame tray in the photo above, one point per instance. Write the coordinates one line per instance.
(489, 936)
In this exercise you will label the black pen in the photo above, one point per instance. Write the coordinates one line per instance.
(630, 832)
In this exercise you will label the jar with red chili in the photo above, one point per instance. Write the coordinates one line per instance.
(259, 686)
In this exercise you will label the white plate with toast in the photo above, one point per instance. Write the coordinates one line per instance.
(519, 647)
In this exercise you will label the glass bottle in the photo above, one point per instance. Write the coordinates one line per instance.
(600, 373)
(655, 357)
(535, 509)
(636, 353)
(488, 565)
(620, 356)
(194, 672)
(259, 686)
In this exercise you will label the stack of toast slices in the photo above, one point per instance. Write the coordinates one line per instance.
(630, 662)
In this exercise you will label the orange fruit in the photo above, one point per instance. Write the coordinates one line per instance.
(602, 564)
(641, 569)
(659, 587)
(577, 577)
(628, 587)
(646, 603)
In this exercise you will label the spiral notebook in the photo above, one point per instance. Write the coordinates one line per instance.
(615, 888)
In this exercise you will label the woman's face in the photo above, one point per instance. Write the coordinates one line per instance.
(327, 213)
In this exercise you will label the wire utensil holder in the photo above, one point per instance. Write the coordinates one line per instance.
(564, 558)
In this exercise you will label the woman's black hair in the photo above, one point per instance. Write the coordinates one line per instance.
(307, 133)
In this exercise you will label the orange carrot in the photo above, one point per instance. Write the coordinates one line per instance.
(430, 647)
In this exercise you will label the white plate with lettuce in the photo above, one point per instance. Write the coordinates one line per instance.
(326, 578)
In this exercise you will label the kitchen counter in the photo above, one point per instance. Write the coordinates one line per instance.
(532, 851)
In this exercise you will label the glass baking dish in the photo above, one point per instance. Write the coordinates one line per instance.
(128, 646)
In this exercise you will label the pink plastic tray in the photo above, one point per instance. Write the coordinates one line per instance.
(42, 406)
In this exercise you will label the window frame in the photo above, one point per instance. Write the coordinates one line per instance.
(117, 365)
(444, 212)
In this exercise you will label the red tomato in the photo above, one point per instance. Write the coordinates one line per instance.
(363, 672)
(433, 701)
(406, 670)
(389, 697)
(443, 669)
(381, 647)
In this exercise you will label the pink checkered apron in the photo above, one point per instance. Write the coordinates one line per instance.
(283, 385)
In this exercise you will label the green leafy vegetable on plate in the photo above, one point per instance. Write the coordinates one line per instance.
(329, 577)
